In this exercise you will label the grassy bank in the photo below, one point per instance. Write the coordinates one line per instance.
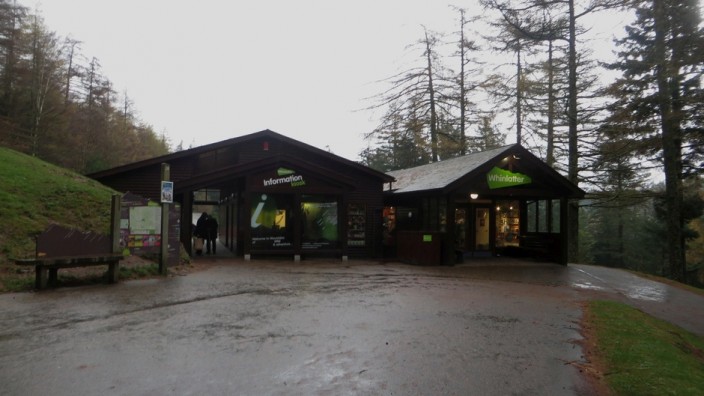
(642, 355)
(35, 194)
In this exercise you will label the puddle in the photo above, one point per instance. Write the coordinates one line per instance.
(586, 286)
(629, 285)
(654, 292)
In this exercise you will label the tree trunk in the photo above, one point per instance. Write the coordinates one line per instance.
(519, 96)
(671, 143)
(573, 154)
(550, 156)
(433, 112)
(463, 90)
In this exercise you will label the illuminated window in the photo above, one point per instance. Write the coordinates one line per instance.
(270, 221)
(507, 223)
(320, 225)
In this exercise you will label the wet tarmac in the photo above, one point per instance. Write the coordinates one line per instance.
(492, 327)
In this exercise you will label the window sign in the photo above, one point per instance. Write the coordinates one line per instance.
(320, 225)
(167, 192)
(271, 228)
(284, 176)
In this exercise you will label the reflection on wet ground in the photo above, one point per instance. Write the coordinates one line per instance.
(578, 277)
(586, 285)
(497, 326)
(648, 293)
(629, 285)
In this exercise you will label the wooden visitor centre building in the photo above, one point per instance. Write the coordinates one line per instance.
(276, 196)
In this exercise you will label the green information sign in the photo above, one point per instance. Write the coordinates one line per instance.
(427, 238)
(501, 178)
(284, 172)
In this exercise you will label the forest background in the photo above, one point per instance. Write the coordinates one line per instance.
(626, 129)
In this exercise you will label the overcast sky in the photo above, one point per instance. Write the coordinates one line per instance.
(208, 70)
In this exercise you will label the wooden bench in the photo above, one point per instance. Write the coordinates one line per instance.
(540, 247)
(59, 247)
(46, 269)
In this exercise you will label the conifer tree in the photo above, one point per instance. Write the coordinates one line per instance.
(659, 99)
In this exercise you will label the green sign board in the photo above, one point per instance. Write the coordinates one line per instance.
(427, 238)
(284, 172)
(501, 178)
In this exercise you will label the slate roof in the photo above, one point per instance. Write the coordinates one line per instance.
(439, 175)
(267, 133)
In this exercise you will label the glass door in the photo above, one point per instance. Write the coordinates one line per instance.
(481, 229)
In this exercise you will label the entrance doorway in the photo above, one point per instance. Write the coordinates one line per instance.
(472, 228)
(507, 223)
(481, 229)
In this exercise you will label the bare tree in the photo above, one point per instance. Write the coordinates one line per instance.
(418, 93)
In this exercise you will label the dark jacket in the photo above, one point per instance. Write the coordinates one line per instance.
(211, 226)
(201, 226)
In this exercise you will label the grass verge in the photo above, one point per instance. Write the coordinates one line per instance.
(642, 355)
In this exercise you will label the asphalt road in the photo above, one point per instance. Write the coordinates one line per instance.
(320, 327)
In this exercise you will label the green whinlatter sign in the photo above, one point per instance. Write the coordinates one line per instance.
(500, 178)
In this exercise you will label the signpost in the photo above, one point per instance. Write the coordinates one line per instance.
(167, 193)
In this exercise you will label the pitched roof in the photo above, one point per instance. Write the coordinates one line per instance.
(450, 174)
(267, 133)
(439, 175)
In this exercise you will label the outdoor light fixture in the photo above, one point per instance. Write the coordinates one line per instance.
(474, 195)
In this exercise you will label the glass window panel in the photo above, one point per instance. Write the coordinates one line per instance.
(555, 226)
(507, 223)
(531, 216)
(542, 216)
(211, 195)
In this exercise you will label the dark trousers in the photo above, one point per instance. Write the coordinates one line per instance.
(210, 245)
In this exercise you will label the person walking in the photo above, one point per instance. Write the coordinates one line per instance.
(200, 233)
(211, 225)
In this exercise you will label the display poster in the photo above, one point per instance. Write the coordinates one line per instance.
(320, 228)
(167, 192)
(142, 241)
(270, 222)
(145, 220)
(140, 228)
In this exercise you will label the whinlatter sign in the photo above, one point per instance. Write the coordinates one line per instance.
(501, 178)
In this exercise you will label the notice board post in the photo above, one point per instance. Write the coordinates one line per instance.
(167, 193)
